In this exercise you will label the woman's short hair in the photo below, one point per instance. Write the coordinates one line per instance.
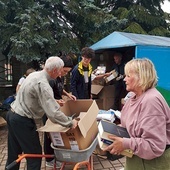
(145, 70)
(54, 62)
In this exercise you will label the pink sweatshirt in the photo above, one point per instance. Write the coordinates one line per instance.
(147, 119)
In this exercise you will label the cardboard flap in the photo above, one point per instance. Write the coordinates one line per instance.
(52, 127)
(87, 121)
(95, 89)
(81, 115)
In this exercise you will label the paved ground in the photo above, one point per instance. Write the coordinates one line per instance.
(98, 162)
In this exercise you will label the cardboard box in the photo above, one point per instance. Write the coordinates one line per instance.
(103, 91)
(95, 89)
(100, 81)
(104, 94)
(108, 103)
(83, 135)
(99, 103)
(113, 76)
(107, 91)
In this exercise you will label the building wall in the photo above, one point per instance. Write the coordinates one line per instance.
(160, 56)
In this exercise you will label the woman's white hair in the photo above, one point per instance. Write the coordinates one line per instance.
(53, 62)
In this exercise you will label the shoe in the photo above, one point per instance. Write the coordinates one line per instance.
(51, 164)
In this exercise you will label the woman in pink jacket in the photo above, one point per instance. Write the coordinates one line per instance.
(146, 116)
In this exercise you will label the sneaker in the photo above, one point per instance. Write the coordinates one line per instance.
(51, 164)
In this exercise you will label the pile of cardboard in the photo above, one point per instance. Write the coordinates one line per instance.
(102, 90)
(104, 95)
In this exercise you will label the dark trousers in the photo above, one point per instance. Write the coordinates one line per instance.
(47, 142)
(23, 138)
(120, 92)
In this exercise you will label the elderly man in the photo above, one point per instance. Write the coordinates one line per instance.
(34, 98)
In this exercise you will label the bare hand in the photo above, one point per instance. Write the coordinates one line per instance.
(108, 74)
(116, 147)
(72, 97)
(60, 102)
(75, 123)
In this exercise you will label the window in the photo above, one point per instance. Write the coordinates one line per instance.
(5, 72)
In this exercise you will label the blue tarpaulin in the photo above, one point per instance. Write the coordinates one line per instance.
(155, 48)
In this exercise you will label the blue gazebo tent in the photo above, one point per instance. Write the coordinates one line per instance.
(156, 48)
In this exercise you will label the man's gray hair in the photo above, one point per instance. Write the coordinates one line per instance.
(53, 62)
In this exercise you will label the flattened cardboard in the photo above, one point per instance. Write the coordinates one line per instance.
(52, 127)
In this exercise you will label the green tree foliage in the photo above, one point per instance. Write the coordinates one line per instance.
(35, 29)
(144, 17)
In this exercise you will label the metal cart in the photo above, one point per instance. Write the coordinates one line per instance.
(66, 156)
(79, 158)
